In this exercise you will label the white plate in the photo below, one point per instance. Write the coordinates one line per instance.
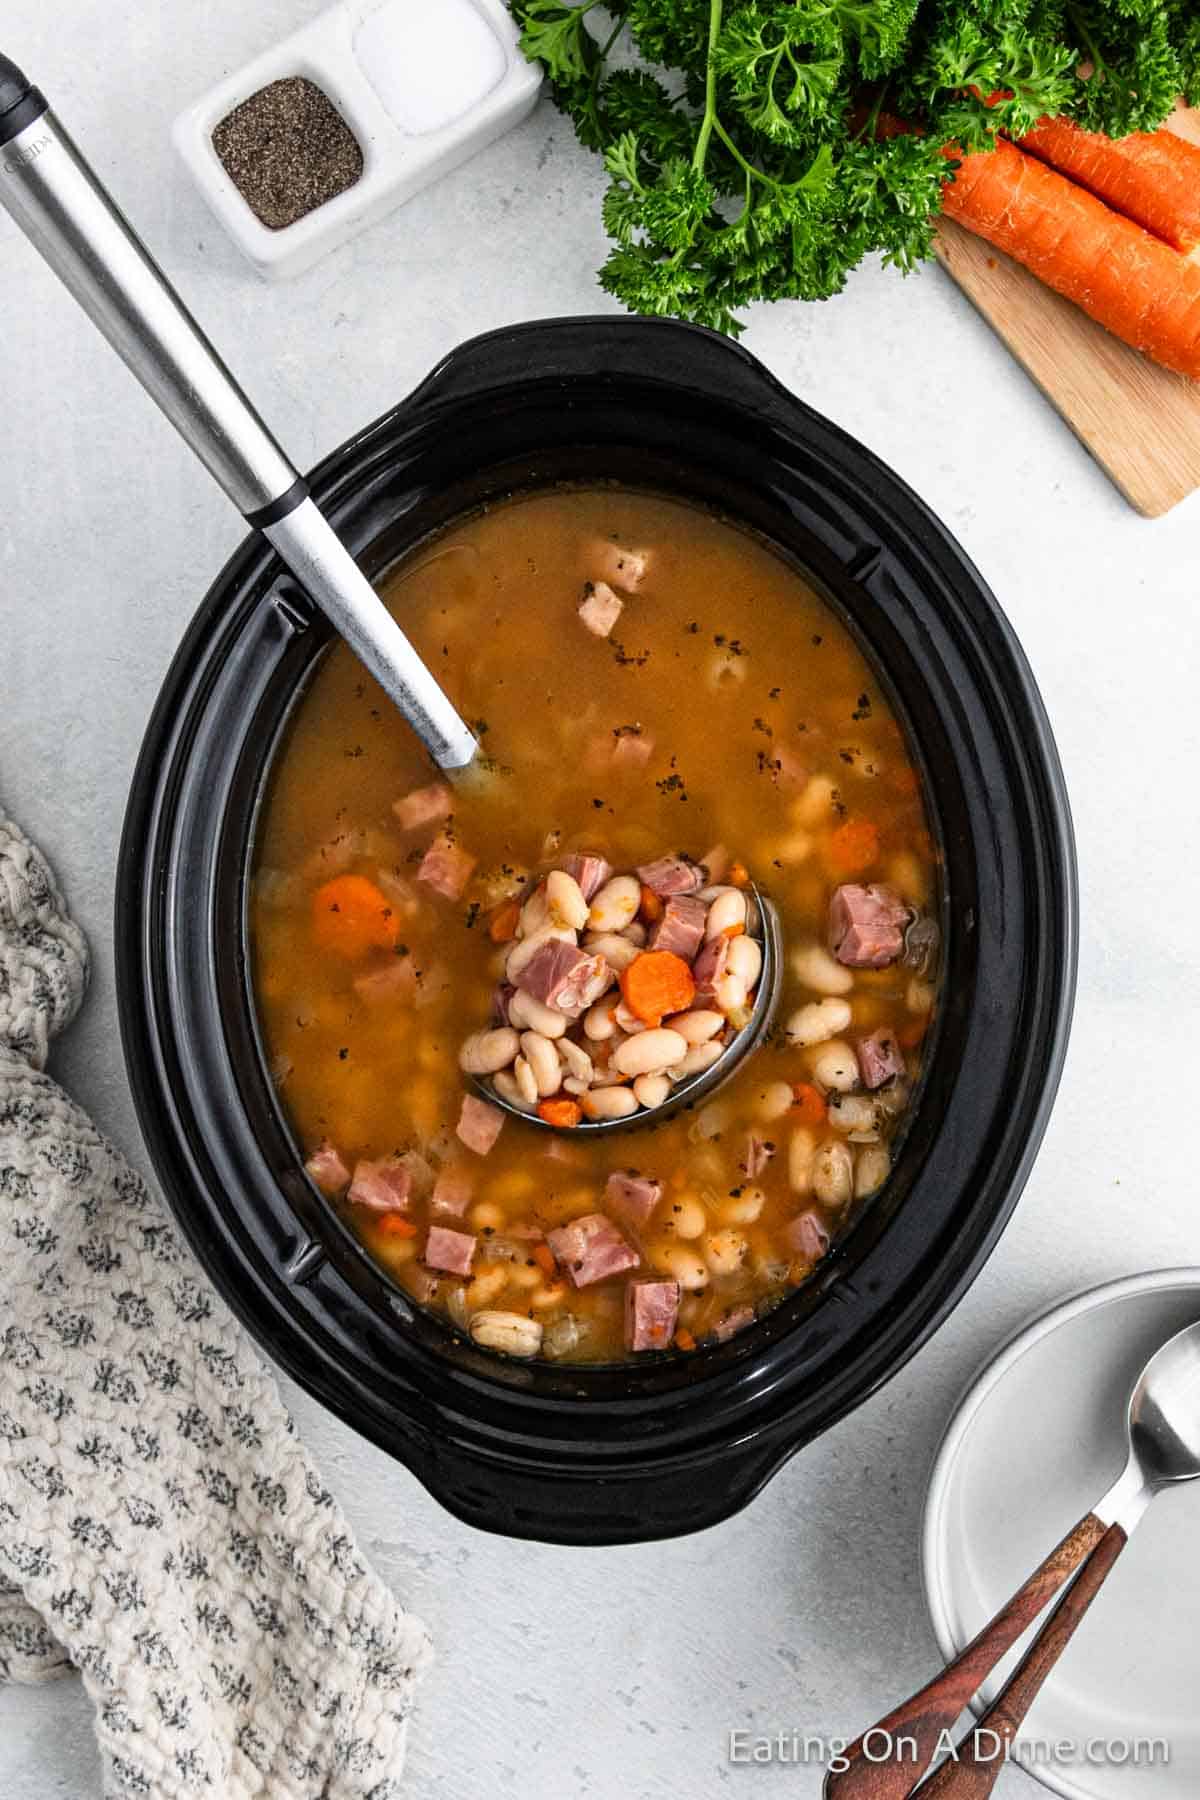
(1037, 1440)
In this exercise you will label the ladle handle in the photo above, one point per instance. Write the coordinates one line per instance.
(60, 205)
(974, 1768)
(913, 1732)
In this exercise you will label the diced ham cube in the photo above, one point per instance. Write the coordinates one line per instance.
(479, 1125)
(384, 1186)
(453, 1189)
(564, 976)
(880, 1058)
(326, 1168)
(709, 967)
(866, 925)
(681, 928)
(624, 568)
(591, 1249)
(424, 806)
(651, 1309)
(673, 875)
(396, 981)
(600, 608)
(591, 872)
(756, 1155)
(449, 1250)
(807, 1236)
(633, 1196)
(733, 1321)
(446, 868)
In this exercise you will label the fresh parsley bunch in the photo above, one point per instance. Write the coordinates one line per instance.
(743, 141)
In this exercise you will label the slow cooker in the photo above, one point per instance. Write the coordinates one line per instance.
(623, 1452)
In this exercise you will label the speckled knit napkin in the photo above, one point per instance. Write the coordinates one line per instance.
(161, 1529)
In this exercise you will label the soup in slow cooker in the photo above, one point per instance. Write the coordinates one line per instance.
(669, 713)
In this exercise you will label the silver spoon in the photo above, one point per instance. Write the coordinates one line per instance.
(1163, 1429)
(67, 215)
(763, 924)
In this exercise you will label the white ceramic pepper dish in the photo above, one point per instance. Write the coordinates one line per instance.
(378, 62)
(1036, 1440)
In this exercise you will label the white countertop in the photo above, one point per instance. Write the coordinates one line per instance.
(606, 1674)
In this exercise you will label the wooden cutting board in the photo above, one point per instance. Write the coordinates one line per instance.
(1140, 422)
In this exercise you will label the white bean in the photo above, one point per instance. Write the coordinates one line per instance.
(745, 959)
(682, 1264)
(698, 1058)
(526, 949)
(573, 1085)
(628, 1021)
(573, 1058)
(533, 1015)
(688, 1218)
(598, 1022)
(542, 1058)
(565, 904)
(697, 1027)
(650, 1052)
(526, 1081)
(711, 1121)
(651, 1090)
(833, 1173)
(815, 804)
(505, 1084)
(872, 1166)
(511, 1332)
(616, 904)
(727, 911)
(535, 914)
(835, 1066)
(742, 1208)
(635, 934)
(729, 992)
(817, 1022)
(814, 968)
(918, 996)
(774, 1102)
(801, 1150)
(725, 1251)
(486, 1051)
(852, 1112)
(618, 952)
(609, 1103)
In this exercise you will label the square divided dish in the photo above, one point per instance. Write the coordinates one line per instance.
(421, 86)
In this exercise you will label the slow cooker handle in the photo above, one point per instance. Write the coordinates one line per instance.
(65, 212)
(611, 350)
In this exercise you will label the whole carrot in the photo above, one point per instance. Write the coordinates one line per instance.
(1153, 177)
(1128, 281)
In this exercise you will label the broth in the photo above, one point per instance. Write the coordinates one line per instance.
(728, 717)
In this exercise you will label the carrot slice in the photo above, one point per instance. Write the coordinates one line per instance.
(657, 983)
(394, 1224)
(351, 916)
(502, 926)
(739, 875)
(1153, 177)
(853, 847)
(650, 907)
(684, 1339)
(543, 1256)
(810, 1103)
(1128, 281)
(560, 1112)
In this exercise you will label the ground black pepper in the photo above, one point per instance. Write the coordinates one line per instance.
(288, 150)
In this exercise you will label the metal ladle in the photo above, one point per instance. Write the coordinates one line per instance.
(65, 212)
(763, 924)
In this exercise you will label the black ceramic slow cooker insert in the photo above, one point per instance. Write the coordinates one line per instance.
(632, 1451)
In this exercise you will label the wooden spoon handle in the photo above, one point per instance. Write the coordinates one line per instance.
(972, 1771)
(887, 1761)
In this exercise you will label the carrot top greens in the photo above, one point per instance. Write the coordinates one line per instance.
(740, 139)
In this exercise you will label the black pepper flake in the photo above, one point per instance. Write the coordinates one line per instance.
(472, 914)
(288, 151)
(816, 637)
(343, 1053)
(774, 693)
